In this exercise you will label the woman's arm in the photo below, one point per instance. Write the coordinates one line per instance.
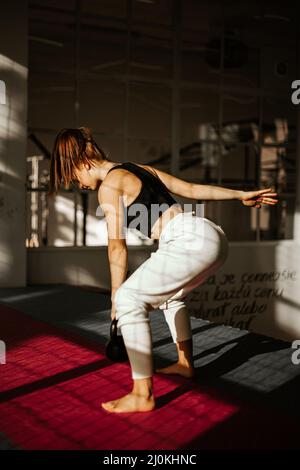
(110, 197)
(248, 198)
(191, 190)
(118, 265)
(207, 192)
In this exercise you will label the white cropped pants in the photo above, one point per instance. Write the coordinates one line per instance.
(191, 248)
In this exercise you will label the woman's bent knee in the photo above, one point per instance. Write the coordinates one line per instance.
(129, 307)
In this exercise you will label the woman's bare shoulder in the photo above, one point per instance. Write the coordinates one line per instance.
(149, 168)
(116, 181)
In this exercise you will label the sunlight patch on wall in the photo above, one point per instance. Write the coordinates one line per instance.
(2, 92)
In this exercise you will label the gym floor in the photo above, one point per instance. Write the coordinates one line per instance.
(244, 396)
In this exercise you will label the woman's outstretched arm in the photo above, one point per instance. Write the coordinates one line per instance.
(207, 192)
(248, 198)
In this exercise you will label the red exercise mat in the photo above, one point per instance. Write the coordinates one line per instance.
(53, 383)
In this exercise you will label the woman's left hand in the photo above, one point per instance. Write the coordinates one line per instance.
(256, 198)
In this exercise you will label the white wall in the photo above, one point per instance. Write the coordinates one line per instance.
(268, 304)
(13, 131)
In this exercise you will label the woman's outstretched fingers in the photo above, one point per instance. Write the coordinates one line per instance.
(265, 190)
(268, 201)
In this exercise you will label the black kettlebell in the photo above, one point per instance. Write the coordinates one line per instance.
(115, 348)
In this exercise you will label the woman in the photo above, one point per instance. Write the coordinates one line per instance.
(191, 248)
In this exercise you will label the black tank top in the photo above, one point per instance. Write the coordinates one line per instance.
(153, 193)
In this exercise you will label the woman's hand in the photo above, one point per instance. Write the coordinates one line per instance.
(256, 198)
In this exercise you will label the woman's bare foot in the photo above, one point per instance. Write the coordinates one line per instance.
(130, 403)
(186, 370)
